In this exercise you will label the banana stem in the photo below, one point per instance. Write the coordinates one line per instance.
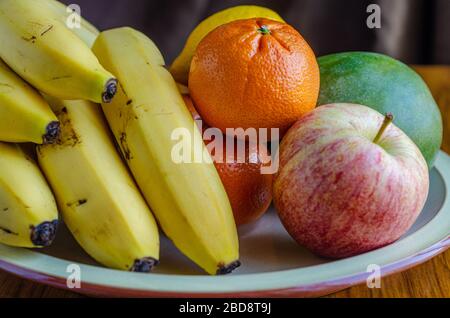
(144, 265)
(52, 133)
(110, 91)
(44, 234)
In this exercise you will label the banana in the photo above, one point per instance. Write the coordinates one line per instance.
(28, 213)
(86, 31)
(97, 196)
(188, 200)
(44, 52)
(25, 115)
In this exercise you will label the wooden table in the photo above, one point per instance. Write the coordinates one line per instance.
(431, 279)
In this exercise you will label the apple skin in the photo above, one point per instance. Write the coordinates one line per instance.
(337, 192)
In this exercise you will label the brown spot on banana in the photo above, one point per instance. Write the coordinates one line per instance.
(67, 135)
(31, 39)
(77, 203)
(8, 231)
(57, 78)
(47, 30)
(124, 146)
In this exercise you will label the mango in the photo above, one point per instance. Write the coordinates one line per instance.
(386, 85)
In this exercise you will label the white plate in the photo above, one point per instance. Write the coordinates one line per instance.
(273, 264)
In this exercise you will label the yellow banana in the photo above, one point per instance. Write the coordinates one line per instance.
(86, 32)
(25, 115)
(43, 51)
(28, 213)
(98, 198)
(188, 200)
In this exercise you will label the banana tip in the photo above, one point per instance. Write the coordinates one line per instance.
(44, 234)
(228, 269)
(110, 90)
(52, 132)
(144, 265)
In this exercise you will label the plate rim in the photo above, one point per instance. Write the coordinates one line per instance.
(312, 290)
(285, 282)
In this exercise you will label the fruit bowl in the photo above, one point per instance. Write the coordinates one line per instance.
(273, 264)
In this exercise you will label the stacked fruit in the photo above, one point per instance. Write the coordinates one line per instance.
(348, 181)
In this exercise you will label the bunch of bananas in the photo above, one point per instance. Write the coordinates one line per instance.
(103, 183)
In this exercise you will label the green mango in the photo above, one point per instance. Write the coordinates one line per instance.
(386, 85)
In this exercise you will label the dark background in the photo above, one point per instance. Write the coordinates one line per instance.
(414, 31)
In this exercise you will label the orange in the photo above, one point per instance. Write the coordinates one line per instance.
(190, 106)
(254, 73)
(249, 191)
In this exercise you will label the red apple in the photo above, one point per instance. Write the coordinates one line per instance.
(349, 182)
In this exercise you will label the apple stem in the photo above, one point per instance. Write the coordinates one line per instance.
(388, 119)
